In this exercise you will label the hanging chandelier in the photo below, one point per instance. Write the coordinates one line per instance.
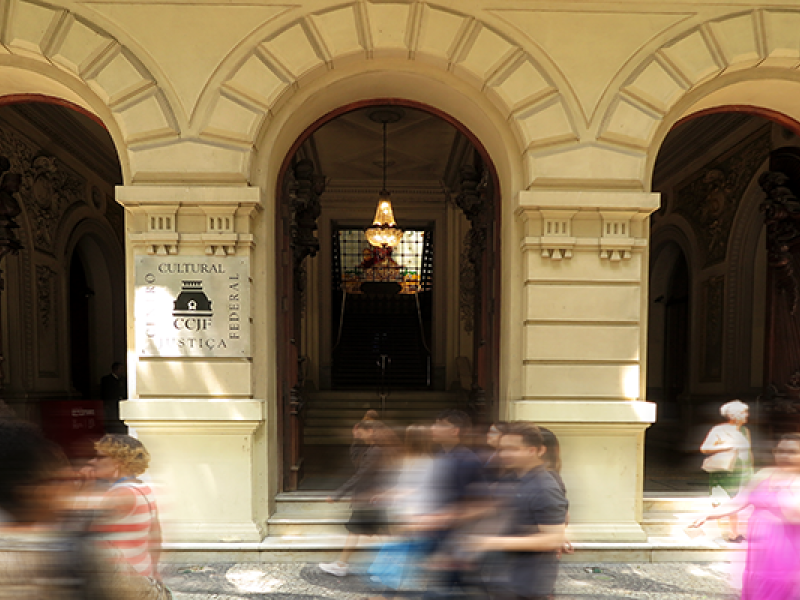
(384, 232)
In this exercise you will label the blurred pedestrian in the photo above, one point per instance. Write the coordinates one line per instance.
(772, 568)
(43, 555)
(397, 564)
(370, 480)
(128, 514)
(535, 530)
(729, 461)
(460, 490)
(552, 460)
(493, 467)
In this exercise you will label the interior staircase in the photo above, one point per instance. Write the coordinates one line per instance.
(331, 414)
(375, 326)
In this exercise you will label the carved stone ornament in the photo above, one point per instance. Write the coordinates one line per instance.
(47, 188)
(9, 209)
(44, 293)
(474, 199)
(710, 199)
(782, 217)
(303, 189)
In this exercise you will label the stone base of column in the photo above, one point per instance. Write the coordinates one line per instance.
(204, 466)
(602, 452)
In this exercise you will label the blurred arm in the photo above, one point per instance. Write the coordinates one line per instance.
(548, 538)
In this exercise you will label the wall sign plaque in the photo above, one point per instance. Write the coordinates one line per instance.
(192, 306)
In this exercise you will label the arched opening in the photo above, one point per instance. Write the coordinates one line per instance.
(407, 330)
(63, 308)
(720, 327)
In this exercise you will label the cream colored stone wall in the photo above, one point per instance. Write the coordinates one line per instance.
(570, 103)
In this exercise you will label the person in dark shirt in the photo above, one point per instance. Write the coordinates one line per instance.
(537, 512)
(460, 485)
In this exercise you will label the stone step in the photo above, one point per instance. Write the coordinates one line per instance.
(326, 548)
(305, 527)
(684, 503)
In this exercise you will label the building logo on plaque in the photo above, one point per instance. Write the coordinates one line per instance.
(192, 306)
(192, 302)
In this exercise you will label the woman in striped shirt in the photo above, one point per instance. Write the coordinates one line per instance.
(128, 513)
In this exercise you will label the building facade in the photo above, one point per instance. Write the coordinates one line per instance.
(563, 109)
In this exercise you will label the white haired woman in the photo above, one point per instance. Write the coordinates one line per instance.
(729, 460)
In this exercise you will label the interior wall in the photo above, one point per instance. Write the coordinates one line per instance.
(710, 209)
(67, 207)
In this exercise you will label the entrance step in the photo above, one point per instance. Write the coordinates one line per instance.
(307, 528)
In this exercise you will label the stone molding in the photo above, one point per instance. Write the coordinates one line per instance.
(463, 45)
(619, 219)
(654, 83)
(218, 219)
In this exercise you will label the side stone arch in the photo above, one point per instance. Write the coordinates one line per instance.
(458, 44)
(737, 46)
(97, 72)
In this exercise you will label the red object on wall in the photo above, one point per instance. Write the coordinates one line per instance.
(73, 424)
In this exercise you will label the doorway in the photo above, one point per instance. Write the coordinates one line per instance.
(406, 330)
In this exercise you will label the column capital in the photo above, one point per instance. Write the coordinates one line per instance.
(611, 222)
(214, 220)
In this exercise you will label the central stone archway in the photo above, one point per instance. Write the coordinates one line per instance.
(458, 246)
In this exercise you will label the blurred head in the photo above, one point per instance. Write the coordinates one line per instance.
(370, 415)
(735, 411)
(418, 440)
(787, 452)
(552, 454)
(450, 427)
(495, 432)
(116, 368)
(522, 447)
(32, 469)
(119, 456)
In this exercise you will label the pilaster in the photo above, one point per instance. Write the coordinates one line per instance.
(191, 382)
(585, 285)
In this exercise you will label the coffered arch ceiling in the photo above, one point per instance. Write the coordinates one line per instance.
(423, 151)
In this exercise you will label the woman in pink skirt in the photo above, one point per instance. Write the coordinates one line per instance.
(772, 569)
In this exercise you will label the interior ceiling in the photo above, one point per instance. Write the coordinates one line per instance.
(694, 138)
(82, 137)
(422, 149)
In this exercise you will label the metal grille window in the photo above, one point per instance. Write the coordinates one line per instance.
(410, 263)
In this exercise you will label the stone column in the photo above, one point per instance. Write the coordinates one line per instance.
(190, 379)
(585, 270)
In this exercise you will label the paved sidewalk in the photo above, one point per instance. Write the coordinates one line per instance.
(299, 581)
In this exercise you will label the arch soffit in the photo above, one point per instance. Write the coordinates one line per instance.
(659, 86)
(96, 71)
(250, 88)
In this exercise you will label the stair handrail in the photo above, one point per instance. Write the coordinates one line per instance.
(421, 325)
(341, 320)
(424, 341)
